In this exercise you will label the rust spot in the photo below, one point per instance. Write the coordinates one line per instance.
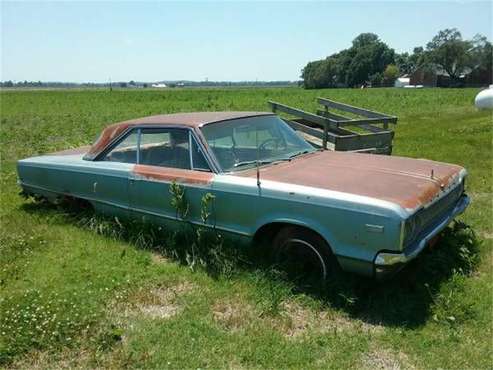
(404, 181)
(173, 174)
(192, 120)
(108, 134)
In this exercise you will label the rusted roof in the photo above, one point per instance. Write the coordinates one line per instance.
(195, 119)
(191, 119)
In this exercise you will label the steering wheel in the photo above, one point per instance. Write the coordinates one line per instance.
(265, 142)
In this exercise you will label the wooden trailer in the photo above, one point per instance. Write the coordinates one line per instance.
(350, 129)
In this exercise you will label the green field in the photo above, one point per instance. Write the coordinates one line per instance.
(78, 291)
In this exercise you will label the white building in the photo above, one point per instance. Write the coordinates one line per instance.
(402, 82)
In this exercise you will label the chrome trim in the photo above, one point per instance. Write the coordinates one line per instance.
(388, 258)
(139, 135)
(190, 154)
(374, 228)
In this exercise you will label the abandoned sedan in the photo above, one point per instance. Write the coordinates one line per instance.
(368, 214)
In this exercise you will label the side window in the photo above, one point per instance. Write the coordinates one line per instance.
(165, 148)
(125, 151)
(198, 160)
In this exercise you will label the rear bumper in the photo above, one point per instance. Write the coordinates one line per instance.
(387, 263)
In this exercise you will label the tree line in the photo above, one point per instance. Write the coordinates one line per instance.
(140, 84)
(370, 61)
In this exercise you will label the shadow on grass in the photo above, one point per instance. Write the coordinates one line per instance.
(403, 301)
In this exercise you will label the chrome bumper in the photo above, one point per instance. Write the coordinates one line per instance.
(389, 259)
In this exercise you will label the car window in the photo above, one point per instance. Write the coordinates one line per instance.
(245, 137)
(165, 148)
(240, 143)
(198, 159)
(125, 151)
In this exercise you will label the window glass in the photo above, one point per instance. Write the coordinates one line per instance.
(149, 139)
(125, 151)
(198, 159)
(238, 144)
(165, 148)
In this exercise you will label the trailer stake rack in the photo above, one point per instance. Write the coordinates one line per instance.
(363, 131)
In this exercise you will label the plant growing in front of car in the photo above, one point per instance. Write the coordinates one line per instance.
(207, 246)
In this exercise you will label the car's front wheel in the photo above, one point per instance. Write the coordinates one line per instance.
(304, 256)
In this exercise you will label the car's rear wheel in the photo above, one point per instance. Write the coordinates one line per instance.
(303, 256)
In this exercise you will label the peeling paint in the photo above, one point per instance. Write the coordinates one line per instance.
(173, 174)
(404, 181)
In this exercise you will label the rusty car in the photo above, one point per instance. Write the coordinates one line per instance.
(364, 213)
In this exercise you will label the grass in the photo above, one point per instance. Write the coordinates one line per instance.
(77, 290)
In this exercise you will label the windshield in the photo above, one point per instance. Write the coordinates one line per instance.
(239, 143)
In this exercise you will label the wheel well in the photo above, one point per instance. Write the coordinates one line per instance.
(77, 203)
(266, 233)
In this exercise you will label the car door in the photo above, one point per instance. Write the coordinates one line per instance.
(110, 176)
(168, 155)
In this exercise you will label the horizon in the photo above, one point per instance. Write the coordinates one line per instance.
(155, 42)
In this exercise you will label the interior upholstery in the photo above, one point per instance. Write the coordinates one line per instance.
(154, 155)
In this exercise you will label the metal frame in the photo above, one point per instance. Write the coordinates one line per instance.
(334, 128)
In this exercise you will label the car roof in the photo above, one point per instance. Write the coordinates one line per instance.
(194, 119)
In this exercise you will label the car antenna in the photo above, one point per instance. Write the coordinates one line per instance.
(257, 161)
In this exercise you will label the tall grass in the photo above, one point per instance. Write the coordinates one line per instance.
(76, 288)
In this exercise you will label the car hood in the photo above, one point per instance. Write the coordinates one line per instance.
(410, 183)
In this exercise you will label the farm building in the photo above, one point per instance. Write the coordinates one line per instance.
(429, 77)
(159, 86)
(402, 81)
(436, 77)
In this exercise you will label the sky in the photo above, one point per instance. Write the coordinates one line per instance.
(221, 41)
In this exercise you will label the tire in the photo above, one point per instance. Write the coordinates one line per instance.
(304, 256)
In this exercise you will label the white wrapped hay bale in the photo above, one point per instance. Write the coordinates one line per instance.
(484, 100)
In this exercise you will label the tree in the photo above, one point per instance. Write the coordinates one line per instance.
(449, 51)
(376, 79)
(482, 53)
(390, 74)
(310, 73)
(123, 84)
(320, 74)
(417, 59)
(368, 56)
(371, 60)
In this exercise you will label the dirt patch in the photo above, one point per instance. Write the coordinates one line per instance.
(233, 314)
(385, 359)
(481, 196)
(485, 235)
(159, 258)
(66, 359)
(158, 303)
(298, 320)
